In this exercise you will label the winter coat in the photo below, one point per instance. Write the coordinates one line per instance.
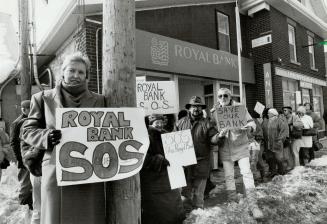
(308, 123)
(202, 131)
(235, 145)
(278, 131)
(71, 204)
(159, 203)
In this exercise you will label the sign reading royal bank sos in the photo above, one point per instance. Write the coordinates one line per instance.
(99, 144)
(157, 52)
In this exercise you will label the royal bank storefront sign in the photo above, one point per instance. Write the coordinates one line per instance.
(166, 54)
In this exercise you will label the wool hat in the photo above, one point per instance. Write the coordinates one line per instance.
(301, 109)
(196, 100)
(273, 111)
(155, 117)
(25, 104)
(287, 107)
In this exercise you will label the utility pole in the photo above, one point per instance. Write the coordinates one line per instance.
(123, 198)
(24, 41)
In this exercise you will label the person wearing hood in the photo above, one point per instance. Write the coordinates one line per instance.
(278, 132)
(160, 204)
(70, 204)
(203, 134)
(234, 146)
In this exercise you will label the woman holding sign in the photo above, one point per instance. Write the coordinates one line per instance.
(160, 204)
(234, 146)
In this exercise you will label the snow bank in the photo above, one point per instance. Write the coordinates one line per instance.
(296, 198)
(11, 212)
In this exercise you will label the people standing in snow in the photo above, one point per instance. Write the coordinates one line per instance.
(234, 146)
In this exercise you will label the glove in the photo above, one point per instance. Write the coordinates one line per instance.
(54, 137)
(159, 162)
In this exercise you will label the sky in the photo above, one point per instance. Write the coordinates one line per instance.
(10, 7)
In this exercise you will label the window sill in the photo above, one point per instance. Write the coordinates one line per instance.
(295, 62)
(314, 69)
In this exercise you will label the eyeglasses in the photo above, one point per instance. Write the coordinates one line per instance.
(285, 110)
(223, 95)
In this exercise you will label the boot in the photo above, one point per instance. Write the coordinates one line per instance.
(253, 206)
(232, 196)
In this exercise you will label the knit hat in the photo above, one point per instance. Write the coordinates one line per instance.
(25, 104)
(273, 111)
(301, 109)
(155, 117)
(287, 107)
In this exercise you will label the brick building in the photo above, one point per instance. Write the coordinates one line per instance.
(202, 38)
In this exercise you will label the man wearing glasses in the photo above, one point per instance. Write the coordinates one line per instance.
(234, 146)
(203, 134)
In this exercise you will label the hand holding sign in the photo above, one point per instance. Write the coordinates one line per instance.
(179, 150)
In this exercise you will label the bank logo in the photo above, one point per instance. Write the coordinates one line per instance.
(159, 52)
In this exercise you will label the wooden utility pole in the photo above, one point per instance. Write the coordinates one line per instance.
(123, 196)
(24, 60)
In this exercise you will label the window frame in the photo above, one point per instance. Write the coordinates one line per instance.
(218, 32)
(313, 64)
(291, 28)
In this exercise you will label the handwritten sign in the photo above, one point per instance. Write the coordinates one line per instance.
(99, 144)
(231, 117)
(179, 151)
(259, 108)
(156, 97)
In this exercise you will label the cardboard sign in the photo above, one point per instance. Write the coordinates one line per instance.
(179, 151)
(156, 97)
(99, 144)
(259, 108)
(231, 117)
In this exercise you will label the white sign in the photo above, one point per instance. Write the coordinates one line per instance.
(261, 41)
(99, 144)
(179, 151)
(157, 97)
(298, 97)
(259, 108)
(306, 85)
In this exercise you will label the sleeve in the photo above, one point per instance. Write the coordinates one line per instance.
(250, 121)
(283, 130)
(15, 140)
(34, 131)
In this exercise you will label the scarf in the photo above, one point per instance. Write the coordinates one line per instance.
(72, 95)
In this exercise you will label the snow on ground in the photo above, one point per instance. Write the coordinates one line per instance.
(296, 198)
(11, 212)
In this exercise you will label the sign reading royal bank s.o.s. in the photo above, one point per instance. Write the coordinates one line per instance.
(162, 53)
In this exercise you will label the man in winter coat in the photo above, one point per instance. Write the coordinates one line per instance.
(71, 204)
(318, 124)
(25, 190)
(160, 204)
(203, 134)
(234, 146)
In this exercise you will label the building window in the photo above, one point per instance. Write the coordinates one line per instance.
(289, 92)
(305, 96)
(223, 32)
(311, 52)
(317, 100)
(291, 41)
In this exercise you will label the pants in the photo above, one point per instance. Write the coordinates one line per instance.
(25, 188)
(245, 169)
(254, 158)
(194, 192)
(296, 145)
(36, 214)
(276, 160)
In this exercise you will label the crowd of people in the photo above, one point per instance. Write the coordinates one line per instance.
(269, 144)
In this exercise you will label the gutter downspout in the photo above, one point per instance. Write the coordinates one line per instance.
(97, 57)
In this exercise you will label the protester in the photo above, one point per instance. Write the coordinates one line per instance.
(25, 188)
(234, 146)
(71, 204)
(266, 153)
(203, 134)
(305, 141)
(160, 204)
(318, 124)
(255, 139)
(295, 132)
(278, 133)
